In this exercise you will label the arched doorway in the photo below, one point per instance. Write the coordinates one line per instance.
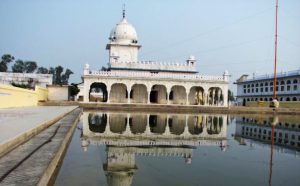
(139, 93)
(98, 92)
(196, 96)
(195, 124)
(177, 125)
(138, 123)
(97, 122)
(118, 93)
(177, 95)
(158, 94)
(157, 123)
(215, 96)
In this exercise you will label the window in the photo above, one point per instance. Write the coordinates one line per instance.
(288, 88)
(276, 88)
(248, 86)
(266, 84)
(271, 89)
(261, 84)
(295, 87)
(244, 90)
(282, 83)
(256, 90)
(262, 89)
(266, 89)
(252, 90)
(244, 86)
(282, 88)
(252, 85)
(295, 81)
(256, 85)
(271, 84)
(288, 82)
(248, 90)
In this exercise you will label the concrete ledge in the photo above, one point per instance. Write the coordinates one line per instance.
(54, 165)
(19, 139)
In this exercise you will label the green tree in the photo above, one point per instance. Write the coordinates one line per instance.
(19, 66)
(24, 67)
(42, 70)
(230, 96)
(58, 78)
(30, 66)
(66, 76)
(74, 89)
(5, 59)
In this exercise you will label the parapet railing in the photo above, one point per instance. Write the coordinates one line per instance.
(150, 75)
(278, 75)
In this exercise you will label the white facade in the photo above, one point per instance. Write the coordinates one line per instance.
(260, 88)
(26, 78)
(58, 93)
(131, 81)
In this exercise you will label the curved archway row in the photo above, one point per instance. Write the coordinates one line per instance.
(156, 94)
(156, 124)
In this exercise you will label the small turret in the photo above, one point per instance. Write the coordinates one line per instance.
(191, 61)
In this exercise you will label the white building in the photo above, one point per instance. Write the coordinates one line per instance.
(129, 80)
(31, 79)
(260, 88)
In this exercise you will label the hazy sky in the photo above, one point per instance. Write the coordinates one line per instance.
(233, 35)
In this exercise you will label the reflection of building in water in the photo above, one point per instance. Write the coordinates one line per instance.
(286, 135)
(129, 135)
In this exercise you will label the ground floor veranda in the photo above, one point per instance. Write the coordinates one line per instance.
(155, 92)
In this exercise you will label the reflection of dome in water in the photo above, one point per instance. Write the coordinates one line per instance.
(119, 178)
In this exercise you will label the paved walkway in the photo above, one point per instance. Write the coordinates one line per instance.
(17, 124)
(35, 161)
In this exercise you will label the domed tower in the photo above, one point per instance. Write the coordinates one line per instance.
(123, 43)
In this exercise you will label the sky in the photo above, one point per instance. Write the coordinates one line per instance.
(233, 35)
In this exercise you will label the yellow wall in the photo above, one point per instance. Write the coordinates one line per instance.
(11, 96)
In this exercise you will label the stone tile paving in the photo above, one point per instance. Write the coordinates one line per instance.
(31, 170)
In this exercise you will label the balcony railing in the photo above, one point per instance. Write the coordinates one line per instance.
(150, 75)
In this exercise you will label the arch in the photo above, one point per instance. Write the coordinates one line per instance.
(118, 93)
(295, 81)
(282, 82)
(157, 123)
(177, 125)
(139, 93)
(270, 99)
(98, 92)
(196, 96)
(288, 99)
(214, 125)
(294, 99)
(97, 122)
(138, 123)
(195, 124)
(266, 99)
(261, 84)
(266, 84)
(158, 94)
(281, 98)
(256, 99)
(178, 95)
(215, 96)
(117, 123)
(288, 82)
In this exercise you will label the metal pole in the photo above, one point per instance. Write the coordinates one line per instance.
(275, 57)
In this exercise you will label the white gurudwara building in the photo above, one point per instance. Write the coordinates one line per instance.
(128, 80)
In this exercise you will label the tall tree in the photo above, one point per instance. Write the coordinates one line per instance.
(58, 71)
(42, 70)
(19, 66)
(30, 66)
(5, 59)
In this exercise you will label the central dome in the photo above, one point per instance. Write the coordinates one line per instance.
(123, 32)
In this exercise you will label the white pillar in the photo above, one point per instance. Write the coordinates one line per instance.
(86, 92)
(108, 92)
(225, 97)
(128, 93)
(187, 91)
